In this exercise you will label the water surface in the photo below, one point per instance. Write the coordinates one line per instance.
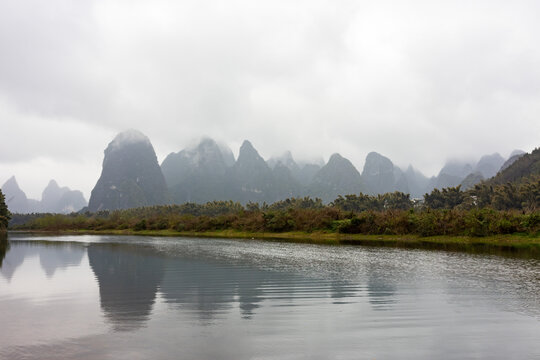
(129, 297)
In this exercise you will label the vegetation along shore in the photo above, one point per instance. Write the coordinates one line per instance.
(448, 219)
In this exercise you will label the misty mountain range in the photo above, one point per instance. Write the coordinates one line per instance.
(54, 199)
(132, 177)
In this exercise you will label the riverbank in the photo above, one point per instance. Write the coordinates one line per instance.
(518, 244)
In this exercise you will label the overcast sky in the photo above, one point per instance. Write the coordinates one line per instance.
(418, 81)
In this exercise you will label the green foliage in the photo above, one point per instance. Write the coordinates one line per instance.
(5, 215)
(353, 214)
(447, 198)
(278, 221)
(396, 200)
(362, 202)
(524, 195)
(141, 225)
(297, 203)
(522, 170)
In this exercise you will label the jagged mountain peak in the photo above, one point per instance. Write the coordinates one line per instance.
(128, 137)
(130, 176)
(286, 159)
(206, 152)
(489, 165)
(52, 184)
(53, 188)
(248, 154)
(11, 182)
(374, 154)
(489, 157)
(456, 168)
(337, 177)
(376, 164)
(379, 174)
(337, 164)
(247, 146)
(16, 199)
(58, 199)
(197, 173)
(335, 157)
(54, 199)
(206, 143)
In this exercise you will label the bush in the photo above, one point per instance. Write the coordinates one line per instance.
(141, 225)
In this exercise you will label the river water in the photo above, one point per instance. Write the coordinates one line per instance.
(131, 297)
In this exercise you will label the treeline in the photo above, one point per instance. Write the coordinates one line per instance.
(393, 213)
(510, 196)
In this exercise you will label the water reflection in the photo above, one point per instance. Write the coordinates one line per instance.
(4, 247)
(210, 288)
(15, 257)
(198, 299)
(52, 256)
(128, 278)
(195, 285)
(60, 256)
(381, 289)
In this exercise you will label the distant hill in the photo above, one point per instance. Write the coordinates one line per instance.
(200, 174)
(197, 174)
(54, 199)
(516, 154)
(252, 179)
(131, 176)
(417, 183)
(337, 177)
(468, 174)
(16, 199)
(471, 180)
(489, 165)
(378, 174)
(524, 167)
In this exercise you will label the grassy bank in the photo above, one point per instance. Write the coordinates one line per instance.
(517, 244)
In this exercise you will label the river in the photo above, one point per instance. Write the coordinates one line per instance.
(136, 297)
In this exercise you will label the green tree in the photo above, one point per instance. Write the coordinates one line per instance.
(359, 203)
(448, 198)
(530, 195)
(5, 215)
(396, 200)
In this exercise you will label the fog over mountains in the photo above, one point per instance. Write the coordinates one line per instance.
(54, 199)
(208, 172)
(132, 177)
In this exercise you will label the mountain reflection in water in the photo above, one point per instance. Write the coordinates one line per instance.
(52, 256)
(114, 297)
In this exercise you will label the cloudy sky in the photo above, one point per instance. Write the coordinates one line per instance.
(418, 81)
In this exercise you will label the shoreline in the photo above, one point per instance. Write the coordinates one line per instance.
(516, 244)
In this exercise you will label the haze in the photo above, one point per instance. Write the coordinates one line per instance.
(418, 81)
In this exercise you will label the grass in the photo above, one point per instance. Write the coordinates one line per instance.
(517, 244)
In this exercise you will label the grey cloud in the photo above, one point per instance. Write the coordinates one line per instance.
(418, 81)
